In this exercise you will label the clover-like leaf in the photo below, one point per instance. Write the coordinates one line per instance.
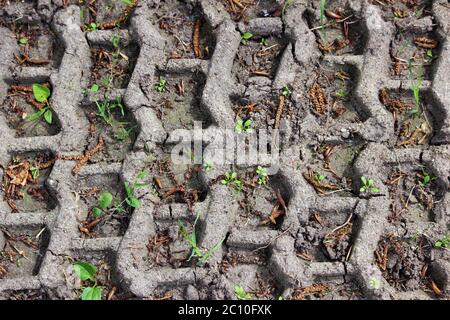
(105, 200)
(48, 116)
(94, 88)
(41, 93)
(91, 293)
(36, 115)
(85, 270)
(133, 202)
(97, 212)
(247, 35)
(241, 294)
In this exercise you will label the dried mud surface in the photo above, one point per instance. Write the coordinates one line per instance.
(359, 93)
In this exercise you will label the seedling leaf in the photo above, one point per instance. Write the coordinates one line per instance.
(91, 293)
(105, 200)
(241, 294)
(36, 115)
(48, 116)
(84, 270)
(133, 202)
(41, 93)
(94, 88)
(211, 252)
(97, 212)
(247, 35)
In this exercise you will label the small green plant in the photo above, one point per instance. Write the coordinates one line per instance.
(87, 272)
(105, 109)
(106, 81)
(161, 86)
(241, 294)
(23, 40)
(264, 42)
(127, 2)
(286, 5)
(118, 104)
(94, 88)
(246, 36)
(115, 41)
(208, 165)
(90, 27)
(191, 239)
(425, 179)
(231, 179)
(41, 94)
(243, 126)
(130, 188)
(374, 283)
(34, 172)
(318, 176)
(286, 92)
(416, 81)
(118, 207)
(444, 242)
(322, 5)
(122, 133)
(368, 185)
(342, 92)
(104, 201)
(418, 12)
(262, 175)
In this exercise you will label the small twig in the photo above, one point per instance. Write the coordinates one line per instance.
(88, 155)
(273, 240)
(341, 226)
(279, 112)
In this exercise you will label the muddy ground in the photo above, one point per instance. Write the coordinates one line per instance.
(94, 93)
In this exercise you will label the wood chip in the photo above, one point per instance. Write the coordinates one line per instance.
(196, 39)
(88, 155)
(318, 98)
(426, 43)
(279, 111)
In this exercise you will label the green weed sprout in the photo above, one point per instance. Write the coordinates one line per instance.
(41, 94)
(191, 239)
(86, 271)
(368, 185)
(241, 294)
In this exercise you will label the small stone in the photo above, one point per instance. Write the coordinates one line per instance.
(2, 241)
(392, 260)
(52, 183)
(173, 232)
(345, 133)
(413, 199)
(248, 60)
(191, 293)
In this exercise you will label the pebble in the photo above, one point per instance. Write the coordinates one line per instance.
(2, 241)
(192, 293)
(248, 60)
(392, 261)
(52, 183)
(413, 199)
(345, 133)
